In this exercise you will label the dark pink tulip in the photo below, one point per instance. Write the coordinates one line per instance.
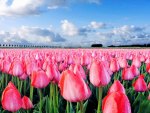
(24, 76)
(116, 87)
(149, 86)
(62, 66)
(148, 67)
(127, 74)
(140, 84)
(52, 72)
(135, 70)
(116, 102)
(78, 70)
(26, 103)
(39, 79)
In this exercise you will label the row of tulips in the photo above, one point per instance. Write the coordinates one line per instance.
(75, 80)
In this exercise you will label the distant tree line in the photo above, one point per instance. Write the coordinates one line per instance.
(96, 45)
(26, 46)
(133, 45)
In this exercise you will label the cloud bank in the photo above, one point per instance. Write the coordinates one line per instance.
(30, 35)
(72, 35)
(34, 7)
(99, 32)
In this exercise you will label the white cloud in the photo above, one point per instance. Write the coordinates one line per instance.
(97, 25)
(127, 29)
(20, 7)
(30, 35)
(125, 35)
(34, 7)
(69, 28)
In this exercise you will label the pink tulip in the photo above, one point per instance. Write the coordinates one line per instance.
(135, 70)
(39, 79)
(17, 68)
(52, 72)
(99, 74)
(11, 98)
(116, 87)
(149, 86)
(78, 70)
(116, 102)
(136, 61)
(140, 84)
(122, 62)
(26, 103)
(148, 67)
(73, 88)
(114, 65)
(127, 74)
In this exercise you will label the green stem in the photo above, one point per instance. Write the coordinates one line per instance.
(54, 99)
(51, 98)
(77, 107)
(40, 95)
(24, 86)
(99, 99)
(57, 95)
(115, 76)
(31, 93)
(20, 86)
(81, 107)
(18, 83)
(2, 83)
(28, 111)
(123, 83)
(136, 100)
(67, 107)
(6, 79)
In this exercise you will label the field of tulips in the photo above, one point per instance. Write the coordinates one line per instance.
(75, 80)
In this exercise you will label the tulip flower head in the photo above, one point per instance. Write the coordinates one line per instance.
(99, 74)
(11, 98)
(116, 102)
(26, 103)
(114, 65)
(127, 74)
(116, 87)
(39, 79)
(73, 88)
(140, 84)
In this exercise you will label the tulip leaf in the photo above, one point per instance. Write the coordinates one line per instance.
(85, 106)
(144, 107)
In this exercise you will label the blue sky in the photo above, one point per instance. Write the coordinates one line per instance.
(75, 22)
